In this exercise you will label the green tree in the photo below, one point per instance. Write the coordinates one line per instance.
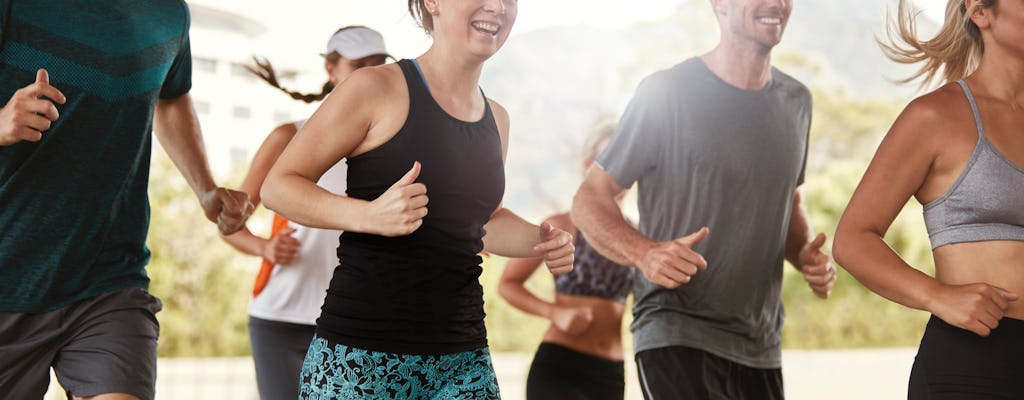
(200, 280)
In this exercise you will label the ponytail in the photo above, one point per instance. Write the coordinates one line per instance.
(265, 71)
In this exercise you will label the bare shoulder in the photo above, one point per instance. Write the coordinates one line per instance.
(562, 221)
(945, 106)
(499, 112)
(372, 82)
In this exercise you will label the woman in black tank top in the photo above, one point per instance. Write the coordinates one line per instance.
(581, 356)
(403, 315)
(959, 151)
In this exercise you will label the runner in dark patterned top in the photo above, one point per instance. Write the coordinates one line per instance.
(595, 275)
(581, 354)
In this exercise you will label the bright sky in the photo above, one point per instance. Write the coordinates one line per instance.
(298, 29)
(292, 22)
(936, 9)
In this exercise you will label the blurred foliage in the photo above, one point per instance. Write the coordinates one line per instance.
(197, 276)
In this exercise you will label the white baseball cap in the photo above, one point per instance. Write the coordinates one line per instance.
(356, 42)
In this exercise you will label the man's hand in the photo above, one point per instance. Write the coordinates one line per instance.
(228, 208)
(30, 111)
(817, 267)
(673, 263)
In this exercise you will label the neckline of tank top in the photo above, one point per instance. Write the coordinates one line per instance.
(982, 137)
(423, 80)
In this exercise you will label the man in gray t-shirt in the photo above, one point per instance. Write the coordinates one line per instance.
(717, 146)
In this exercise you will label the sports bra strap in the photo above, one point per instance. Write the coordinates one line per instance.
(974, 107)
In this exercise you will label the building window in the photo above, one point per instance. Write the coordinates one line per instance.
(241, 112)
(204, 64)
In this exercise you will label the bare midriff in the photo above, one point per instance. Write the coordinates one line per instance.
(998, 263)
(604, 336)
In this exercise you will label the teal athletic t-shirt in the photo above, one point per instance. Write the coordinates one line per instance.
(74, 209)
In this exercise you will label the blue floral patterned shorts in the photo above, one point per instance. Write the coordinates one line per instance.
(335, 371)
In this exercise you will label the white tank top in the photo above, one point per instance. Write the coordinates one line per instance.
(296, 291)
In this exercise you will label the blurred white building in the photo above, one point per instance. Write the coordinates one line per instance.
(236, 109)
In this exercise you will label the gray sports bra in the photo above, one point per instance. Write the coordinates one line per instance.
(985, 203)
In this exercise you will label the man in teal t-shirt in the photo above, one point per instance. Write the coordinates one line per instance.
(84, 84)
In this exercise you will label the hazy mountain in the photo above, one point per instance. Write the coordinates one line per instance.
(557, 82)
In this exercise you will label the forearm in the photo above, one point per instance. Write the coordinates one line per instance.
(246, 242)
(177, 129)
(519, 297)
(300, 200)
(799, 232)
(879, 268)
(606, 229)
(511, 236)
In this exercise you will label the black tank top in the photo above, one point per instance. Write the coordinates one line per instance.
(420, 293)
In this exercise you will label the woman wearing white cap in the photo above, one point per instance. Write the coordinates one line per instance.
(404, 315)
(297, 260)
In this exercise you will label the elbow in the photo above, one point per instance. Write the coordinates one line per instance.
(269, 194)
(505, 290)
(841, 246)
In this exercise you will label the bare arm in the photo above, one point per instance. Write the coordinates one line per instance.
(518, 270)
(335, 131)
(595, 211)
(901, 166)
(596, 214)
(571, 320)
(177, 128)
(511, 236)
(281, 249)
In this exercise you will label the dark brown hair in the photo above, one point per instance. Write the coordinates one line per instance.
(419, 12)
(265, 71)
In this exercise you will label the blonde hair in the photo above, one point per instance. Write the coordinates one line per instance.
(955, 50)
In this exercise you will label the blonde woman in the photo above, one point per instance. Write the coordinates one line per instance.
(959, 151)
(404, 315)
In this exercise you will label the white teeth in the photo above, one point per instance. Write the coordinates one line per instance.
(767, 20)
(487, 27)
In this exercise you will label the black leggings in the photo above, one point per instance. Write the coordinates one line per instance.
(560, 373)
(954, 363)
(278, 349)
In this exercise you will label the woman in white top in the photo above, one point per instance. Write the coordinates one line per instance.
(298, 261)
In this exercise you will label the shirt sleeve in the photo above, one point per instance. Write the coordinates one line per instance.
(633, 150)
(179, 77)
(807, 141)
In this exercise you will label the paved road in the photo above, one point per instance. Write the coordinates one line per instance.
(872, 374)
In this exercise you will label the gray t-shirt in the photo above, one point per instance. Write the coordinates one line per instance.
(705, 153)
